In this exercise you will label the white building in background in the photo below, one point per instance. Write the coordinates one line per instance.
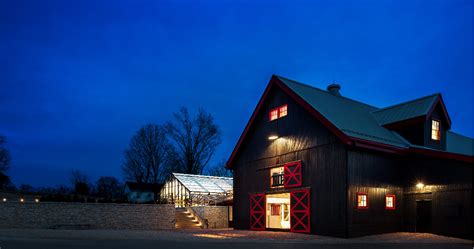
(142, 192)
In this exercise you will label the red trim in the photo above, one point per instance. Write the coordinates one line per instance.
(279, 110)
(361, 143)
(277, 114)
(292, 172)
(366, 201)
(247, 127)
(257, 212)
(394, 202)
(442, 154)
(275, 81)
(344, 138)
(405, 123)
(439, 100)
(315, 113)
(300, 210)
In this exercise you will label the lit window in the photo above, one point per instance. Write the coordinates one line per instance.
(390, 202)
(435, 130)
(273, 114)
(282, 111)
(276, 175)
(362, 201)
(278, 112)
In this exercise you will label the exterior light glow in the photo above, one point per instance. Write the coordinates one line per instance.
(4, 199)
(22, 200)
(37, 200)
(273, 137)
(420, 185)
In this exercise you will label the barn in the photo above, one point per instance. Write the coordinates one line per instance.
(314, 161)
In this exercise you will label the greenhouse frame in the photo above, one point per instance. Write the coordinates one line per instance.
(185, 190)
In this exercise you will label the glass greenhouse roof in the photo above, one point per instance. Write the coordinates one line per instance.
(206, 184)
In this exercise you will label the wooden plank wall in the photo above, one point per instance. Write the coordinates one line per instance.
(302, 137)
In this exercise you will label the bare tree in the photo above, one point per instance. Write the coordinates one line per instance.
(108, 187)
(4, 156)
(145, 157)
(219, 170)
(80, 182)
(195, 139)
(132, 168)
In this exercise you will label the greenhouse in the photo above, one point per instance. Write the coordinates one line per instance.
(196, 190)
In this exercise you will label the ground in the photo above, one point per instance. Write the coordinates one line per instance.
(209, 239)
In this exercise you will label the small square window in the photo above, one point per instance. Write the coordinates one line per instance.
(273, 114)
(362, 201)
(278, 112)
(390, 202)
(282, 111)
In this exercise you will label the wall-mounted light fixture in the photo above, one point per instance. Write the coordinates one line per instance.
(420, 185)
(37, 200)
(4, 200)
(22, 200)
(272, 137)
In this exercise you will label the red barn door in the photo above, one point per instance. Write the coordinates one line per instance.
(257, 212)
(292, 174)
(300, 211)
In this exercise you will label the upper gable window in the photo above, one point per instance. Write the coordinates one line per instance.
(435, 130)
(273, 114)
(278, 112)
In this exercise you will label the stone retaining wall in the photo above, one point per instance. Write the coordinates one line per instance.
(216, 216)
(87, 215)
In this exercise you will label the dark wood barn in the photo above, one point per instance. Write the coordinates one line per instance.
(313, 161)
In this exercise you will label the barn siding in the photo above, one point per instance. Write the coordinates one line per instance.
(336, 173)
(448, 184)
(377, 175)
(302, 137)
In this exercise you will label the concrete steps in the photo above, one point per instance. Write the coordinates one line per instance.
(185, 220)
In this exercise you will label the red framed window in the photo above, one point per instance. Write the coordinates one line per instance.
(390, 202)
(273, 114)
(278, 112)
(282, 111)
(292, 175)
(362, 201)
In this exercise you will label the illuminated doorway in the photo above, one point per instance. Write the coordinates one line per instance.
(278, 211)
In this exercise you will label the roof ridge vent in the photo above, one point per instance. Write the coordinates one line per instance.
(334, 89)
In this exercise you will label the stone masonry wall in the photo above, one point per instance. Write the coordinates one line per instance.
(87, 215)
(216, 216)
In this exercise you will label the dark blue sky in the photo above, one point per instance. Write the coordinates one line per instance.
(78, 79)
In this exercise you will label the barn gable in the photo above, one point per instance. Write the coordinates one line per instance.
(362, 125)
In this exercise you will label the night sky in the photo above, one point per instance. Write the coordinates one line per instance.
(78, 78)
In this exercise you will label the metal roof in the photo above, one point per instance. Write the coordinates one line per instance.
(205, 184)
(460, 144)
(353, 118)
(407, 110)
(364, 121)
